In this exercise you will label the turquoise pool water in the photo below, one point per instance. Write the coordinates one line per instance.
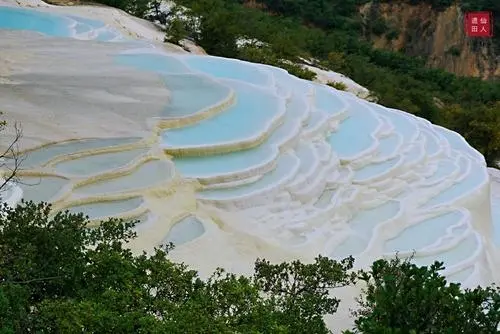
(98, 163)
(252, 113)
(445, 168)
(464, 250)
(476, 176)
(157, 63)
(355, 133)
(149, 174)
(224, 163)
(27, 19)
(460, 276)
(239, 161)
(375, 169)
(328, 100)
(183, 89)
(388, 146)
(457, 142)
(431, 142)
(286, 166)
(46, 153)
(38, 189)
(366, 220)
(185, 230)
(229, 69)
(423, 233)
(403, 123)
(362, 226)
(104, 209)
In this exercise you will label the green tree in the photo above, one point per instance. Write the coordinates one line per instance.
(58, 276)
(176, 30)
(401, 297)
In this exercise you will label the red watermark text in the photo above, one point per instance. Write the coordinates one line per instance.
(479, 24)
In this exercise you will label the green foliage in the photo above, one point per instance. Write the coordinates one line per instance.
(58, 276)
(176, 31)
(337, 85)
(401, 297)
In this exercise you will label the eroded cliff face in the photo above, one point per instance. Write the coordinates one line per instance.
(438, 36)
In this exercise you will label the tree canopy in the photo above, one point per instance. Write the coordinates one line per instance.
(58, 276)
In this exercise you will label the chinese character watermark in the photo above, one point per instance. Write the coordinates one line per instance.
(478, 24)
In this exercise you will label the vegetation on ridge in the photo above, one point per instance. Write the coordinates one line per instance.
(57, 276)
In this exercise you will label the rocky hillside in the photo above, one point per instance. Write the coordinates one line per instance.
(436, 35)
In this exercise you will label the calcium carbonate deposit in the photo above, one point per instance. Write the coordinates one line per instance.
(231, 160)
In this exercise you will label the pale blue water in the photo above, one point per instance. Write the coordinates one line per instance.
(228, 69)
(147, 175)
(457, 142)
(431, 143)
(290, 83)
(328, 100)
(44, 154)
(190, 94)
(363, 224)
(111, 208)
(354, 133)
(251, 114)
(38, 189)
(316, 118)
(365, 221)
(306, 156)
(91, 24)
(423, 233)
(239, 161)
(415, 153)
(476, 176)
(224, 163)
(388, 146)
(184, 231)
(495, 215)
(375, 169)
(28, 19)
(464, 250)
(98, 163)
(404, 124)
(152, 62)
(285, 166)
(445, 168)
(460, 276)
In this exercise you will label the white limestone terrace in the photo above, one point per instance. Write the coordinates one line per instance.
(233, 161)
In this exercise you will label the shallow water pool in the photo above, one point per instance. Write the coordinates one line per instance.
(249, 117)
(147, 175)
(183, 231)
(287, 165)
(28, 19)
(38, 189)
(229, 69)
(375, 169)
(355, 133)
(423, 233)
(99, 163)
(475, 177)
(157, 63)
(362, 226)
(46, 153)
(327, 100)
(190, 94)
(108, 208)
(465, 249)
